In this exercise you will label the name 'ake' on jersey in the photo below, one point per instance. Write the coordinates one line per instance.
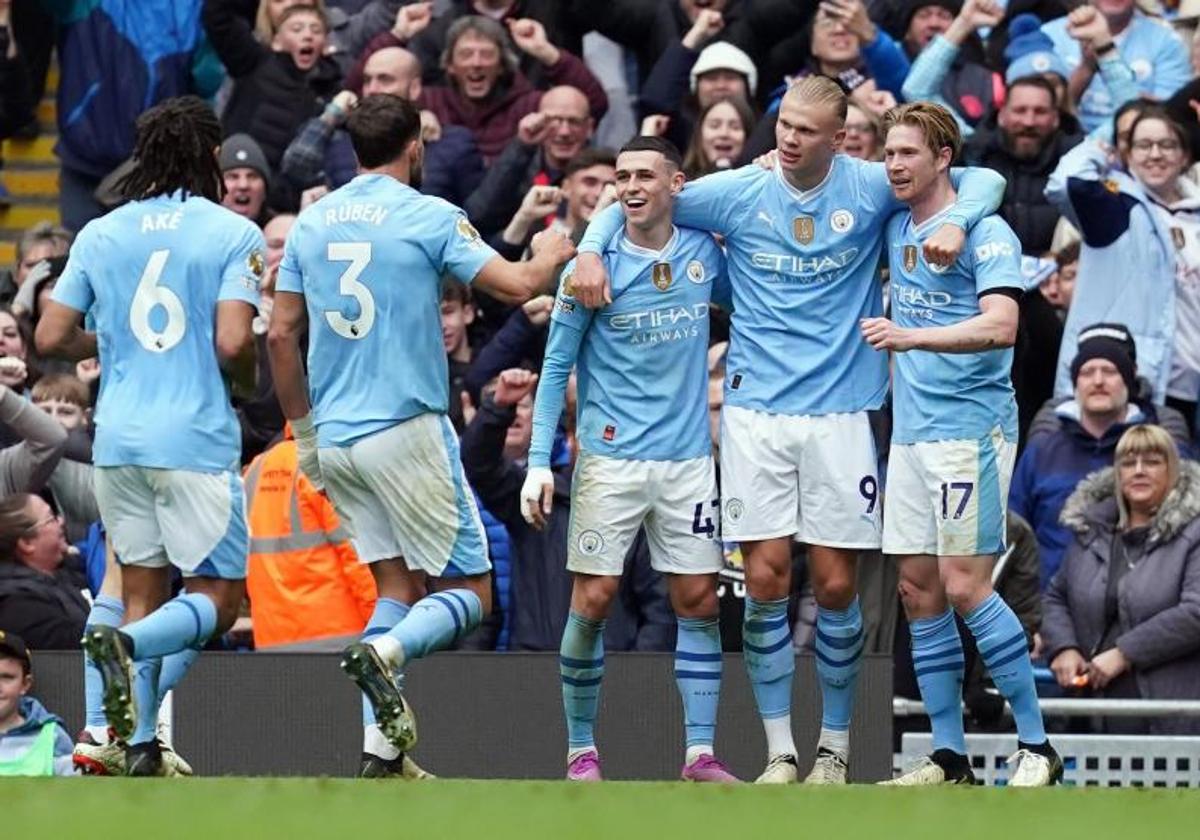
(369, 259)
(951, 396)
(151, 273)
(643, 362)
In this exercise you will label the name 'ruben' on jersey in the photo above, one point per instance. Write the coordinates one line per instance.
(643, 363)
(951, 396)
(369, 259)
(151, 274)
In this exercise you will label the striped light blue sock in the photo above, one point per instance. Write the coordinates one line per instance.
(698, 675)
(839, 654)
(388, 613)
(1004, 648)
(107, 611)
(186, 621)
(938, 661)
(437, 621)
(770, 661)
(174, 667)
(581, 668)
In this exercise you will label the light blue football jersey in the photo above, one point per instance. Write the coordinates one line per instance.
(642, 361)
(369, 259)
(951, 396)
(804, 267)
(150, 274)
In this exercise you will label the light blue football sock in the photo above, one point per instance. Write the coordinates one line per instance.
(174, 667)
(581, 668)
(107, 611)
(839, 648)
(436, 622)
(145, 693)
(698, 675)
(186, 621)
(1002, 644)
(388, 613)
(938, 662)
(770, 661)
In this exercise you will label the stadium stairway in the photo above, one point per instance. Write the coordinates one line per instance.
(30, 176)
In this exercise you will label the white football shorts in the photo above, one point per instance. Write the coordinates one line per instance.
(948, 498)
(676, 501)
(812, 476)
(402, 492)
(195, 521)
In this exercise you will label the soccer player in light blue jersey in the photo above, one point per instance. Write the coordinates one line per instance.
(364, 266)
(954, 440)
(172, 280)
(797, 455)
(645, 453)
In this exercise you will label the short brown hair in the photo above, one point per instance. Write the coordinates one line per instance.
(455, 292)
(935, 122)
(43, 232)
(303, 9)
(15, 522)
(62, 386)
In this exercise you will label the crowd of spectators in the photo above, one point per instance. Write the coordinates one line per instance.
(1089, 111)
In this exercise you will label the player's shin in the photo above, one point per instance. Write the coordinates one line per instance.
(938, 662)
(839, 647)
(698, 675)
(581, 669)
(435, 622)
(387, 614)
(767, 640)
(1004, 647)
(183, 622)
(109, 611)
(145, 691)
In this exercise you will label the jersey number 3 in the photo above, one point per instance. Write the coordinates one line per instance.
(358, 254)
(150, 295)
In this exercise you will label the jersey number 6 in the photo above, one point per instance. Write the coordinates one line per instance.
(149, 295)
(358, 254)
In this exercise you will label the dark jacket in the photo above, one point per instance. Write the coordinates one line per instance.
(1058, 455)
(1158, 599)
(272, 98)
(16, 93)
(540, 597)
(1026, 208)
(496, 200)
(494, 122)
(117, 59)
(47, 611)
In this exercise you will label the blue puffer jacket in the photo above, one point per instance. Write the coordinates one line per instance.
(118, 58)
(500, 552)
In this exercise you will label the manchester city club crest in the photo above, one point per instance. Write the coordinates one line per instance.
(910, 257)
(660, 274)
(803, 228)
(695, 271)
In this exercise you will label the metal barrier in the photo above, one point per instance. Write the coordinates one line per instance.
(1088, 760)
(1081, 707)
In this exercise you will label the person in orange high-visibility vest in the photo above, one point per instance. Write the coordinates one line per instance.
(304, 579)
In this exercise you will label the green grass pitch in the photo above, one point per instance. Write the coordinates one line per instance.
(230, 808)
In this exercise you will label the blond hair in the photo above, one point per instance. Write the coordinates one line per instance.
(1141, 440)
(936, 123)
(820, 90)
(265, 30)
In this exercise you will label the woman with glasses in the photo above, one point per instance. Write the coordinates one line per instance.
(1122, 614)
(1140, 261)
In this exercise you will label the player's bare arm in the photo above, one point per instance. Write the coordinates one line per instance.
(59, 334)
(995, 327)
(235, 343)
(517, 282)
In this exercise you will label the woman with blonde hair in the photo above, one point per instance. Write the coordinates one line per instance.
(1122, 615)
